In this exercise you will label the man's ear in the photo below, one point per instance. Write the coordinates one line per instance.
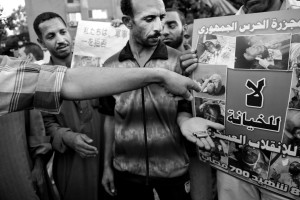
(127, 20)
(41, 42)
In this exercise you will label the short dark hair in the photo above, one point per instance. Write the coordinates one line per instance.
(44, 17)
(126, 7)
(35, 49)
(181, 15)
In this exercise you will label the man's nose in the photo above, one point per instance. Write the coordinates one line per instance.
(165, 31)
(157, 26)
(60, 38)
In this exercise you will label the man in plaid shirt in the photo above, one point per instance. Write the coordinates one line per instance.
(26, 85)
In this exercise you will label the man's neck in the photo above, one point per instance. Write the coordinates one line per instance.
(64, 62)
(181, 48)
(141, 53)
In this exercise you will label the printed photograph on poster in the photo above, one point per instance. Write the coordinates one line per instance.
(270, 51)
(294, 61)
(214, 111)
(294, 99)
(291, 136)
(250, 159)
(216, 50)
(86, 61)
(285, 169)
(212, 81)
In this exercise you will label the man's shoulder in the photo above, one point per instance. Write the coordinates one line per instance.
(173, 53)
(112, 59)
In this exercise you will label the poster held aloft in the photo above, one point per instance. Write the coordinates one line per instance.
(255, 58)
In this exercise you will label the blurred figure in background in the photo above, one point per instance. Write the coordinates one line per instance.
(25, 149)
(177, 34)
(31, 51)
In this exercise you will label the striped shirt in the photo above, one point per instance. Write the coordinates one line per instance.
(25, 85)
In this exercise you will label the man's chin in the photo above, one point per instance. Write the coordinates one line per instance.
(63, 55)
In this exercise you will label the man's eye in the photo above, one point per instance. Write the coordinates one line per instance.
(172, 26)
(50, 36)
(149, 19)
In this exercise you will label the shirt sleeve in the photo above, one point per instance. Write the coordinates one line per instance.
(25, 85)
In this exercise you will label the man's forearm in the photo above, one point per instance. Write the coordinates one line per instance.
(85, 83)
(109, 138)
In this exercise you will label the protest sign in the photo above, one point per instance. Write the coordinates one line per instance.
(249, 72)
(97, 41)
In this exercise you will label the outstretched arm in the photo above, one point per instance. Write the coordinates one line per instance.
(87, 83)
(26, 85)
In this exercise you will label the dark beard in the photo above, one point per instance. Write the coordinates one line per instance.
(177, 43)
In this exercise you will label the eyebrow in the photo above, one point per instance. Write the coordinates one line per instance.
(171, 22)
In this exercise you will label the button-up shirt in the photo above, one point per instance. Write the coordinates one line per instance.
(25, 85)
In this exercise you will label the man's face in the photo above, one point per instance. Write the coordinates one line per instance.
(254, 51)
(250, 155)
(211, 115)
(56, 38)
(172, 34)
(210, 87)
(210, 47)
(293, 123)
(147, 21)
(255, 6)
(188, 35)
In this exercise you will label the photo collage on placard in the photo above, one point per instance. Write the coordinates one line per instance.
(269, 51)
(86, 61)
(283, 168)
(258, 52)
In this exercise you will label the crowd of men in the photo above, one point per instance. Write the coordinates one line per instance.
(126, 145)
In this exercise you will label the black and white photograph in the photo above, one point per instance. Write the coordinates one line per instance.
(294, 61)
(86, 61)
(253, 160)
(211, 80)
(270, 51)
(149, 99)
(294, 99)
(291, 136)
(216, 49)
(213, 110)
(285, 169)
